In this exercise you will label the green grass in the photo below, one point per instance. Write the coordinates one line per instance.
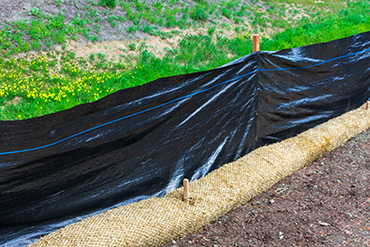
(304, 2)
(44, 31)
(44, 84)
(108, 3)
(350, 21)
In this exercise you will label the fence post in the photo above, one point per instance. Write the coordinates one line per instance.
(186, 190)
(256, 42)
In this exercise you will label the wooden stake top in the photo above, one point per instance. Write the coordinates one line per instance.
(186, 190)
(256, 42)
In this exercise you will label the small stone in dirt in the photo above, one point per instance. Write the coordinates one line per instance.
(321, 223)
(257, 203)
(281, 235)
(272, 201)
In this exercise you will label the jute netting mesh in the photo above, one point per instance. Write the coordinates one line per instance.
(156, 221)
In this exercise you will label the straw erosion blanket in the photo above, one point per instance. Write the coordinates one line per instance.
(325, 204)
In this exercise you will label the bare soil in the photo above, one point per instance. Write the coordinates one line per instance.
(325, 204)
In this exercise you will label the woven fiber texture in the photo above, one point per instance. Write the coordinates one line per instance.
(156, 221)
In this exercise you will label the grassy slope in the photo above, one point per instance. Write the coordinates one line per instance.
(34, 86)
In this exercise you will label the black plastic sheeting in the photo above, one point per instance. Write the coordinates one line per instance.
(141, 142)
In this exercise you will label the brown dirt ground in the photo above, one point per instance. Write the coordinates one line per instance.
(325, 204)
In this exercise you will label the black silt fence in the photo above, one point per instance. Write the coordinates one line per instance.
(141, 142)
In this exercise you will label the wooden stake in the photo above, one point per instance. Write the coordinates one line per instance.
(367, 105)
(186, 190)
(256, 42)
